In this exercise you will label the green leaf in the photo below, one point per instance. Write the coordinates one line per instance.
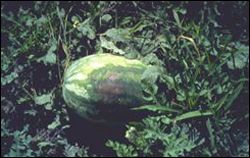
(31, 112)
(45, 99)
(122, 150)
(75, 151)
(106, 17)
(71, 151)
(233, 96)
(44, 144)
(219, 89)
(169, 80)
(87, 29)
(154, 108)
(55, 123)
(151, 74)
(61, 13)
(181, 96)
(50, 57)
(22, 100)
(118, 35)
(193, 114)
(211, 135)
(110, 46)
(152, 59)
(176, 17)
(42, 20)
(74, 19)
(8, 78)
(240, 58)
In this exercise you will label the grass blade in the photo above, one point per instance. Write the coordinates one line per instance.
(193, 114)
(157, 108)
(233, 96)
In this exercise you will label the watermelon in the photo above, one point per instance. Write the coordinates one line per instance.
(104, 87)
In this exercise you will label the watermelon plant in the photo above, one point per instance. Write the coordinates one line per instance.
(103, 87)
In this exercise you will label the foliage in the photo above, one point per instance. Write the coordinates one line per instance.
(24, 144)
(122, 150)
(157, 137)
(197, 85)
